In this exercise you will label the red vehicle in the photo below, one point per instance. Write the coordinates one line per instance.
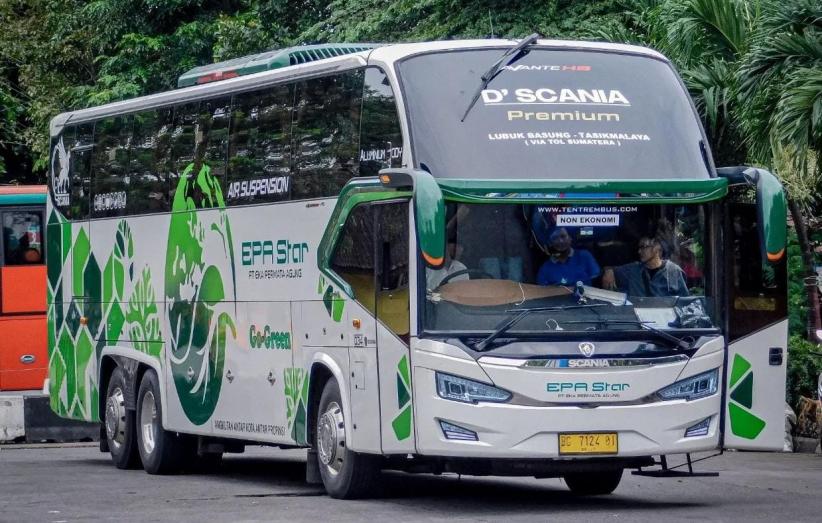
(23, 357)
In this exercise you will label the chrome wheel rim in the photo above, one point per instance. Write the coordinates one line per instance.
(116, 419)
(148, 422)
(331, 438)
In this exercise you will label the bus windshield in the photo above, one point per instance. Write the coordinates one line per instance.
(589, 268)
(560, 114)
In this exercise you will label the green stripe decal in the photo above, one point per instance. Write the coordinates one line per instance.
(622, 191)
(743, 423)
(22, 199)
(740, 367)
(743, 394)
(402, 423)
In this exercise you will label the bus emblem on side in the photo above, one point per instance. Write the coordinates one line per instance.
(587, 349)
(60, 174)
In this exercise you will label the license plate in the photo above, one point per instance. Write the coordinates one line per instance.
(588, 443)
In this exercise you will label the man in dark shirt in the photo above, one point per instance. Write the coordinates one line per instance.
(650, 276)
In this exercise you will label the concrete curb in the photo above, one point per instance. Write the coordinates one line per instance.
(806, 445)
(26, 417)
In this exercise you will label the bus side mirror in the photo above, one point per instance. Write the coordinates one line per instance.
(771, 208)
(429, 210)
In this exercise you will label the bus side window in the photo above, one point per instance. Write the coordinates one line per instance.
(110, 185)
(372, 257)
(145, 170)
(326, 131)
(392, 268)
(758, 296)
(72, 194)
(22, 237)
(353, 258)
(182, 143)
(380, 135)
(259, 150)
(211, 137)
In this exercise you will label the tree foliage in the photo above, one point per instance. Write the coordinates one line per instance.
(753, 67)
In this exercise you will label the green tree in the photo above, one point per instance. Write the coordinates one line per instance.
(754, 70)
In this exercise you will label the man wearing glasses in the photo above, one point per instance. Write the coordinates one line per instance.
(652, 275)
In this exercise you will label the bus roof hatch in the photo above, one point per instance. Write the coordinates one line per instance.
(266, 61)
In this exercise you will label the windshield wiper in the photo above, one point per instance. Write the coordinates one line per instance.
(661, 333)
(495, 69)
(503, 327)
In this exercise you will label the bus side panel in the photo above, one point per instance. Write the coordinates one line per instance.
(72, 363)
(275, 275)
(23, 289)
(23, 358)
(396, 396)
(755, 384)
(365, 380)
(124, 284)
(253, 400)
(23, 355)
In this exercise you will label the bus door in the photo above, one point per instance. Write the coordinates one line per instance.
(392, 255)
(757, 326)
(23, 358)
(372, 257)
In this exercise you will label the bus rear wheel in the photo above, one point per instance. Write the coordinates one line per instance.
(161, 451)
(345, 474)
(594, 483)
(119, 423)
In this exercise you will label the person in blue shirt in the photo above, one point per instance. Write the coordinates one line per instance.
(567, 265)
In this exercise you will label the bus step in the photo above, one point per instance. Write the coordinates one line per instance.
(668, 473)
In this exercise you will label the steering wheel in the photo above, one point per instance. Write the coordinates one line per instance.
(481, 275)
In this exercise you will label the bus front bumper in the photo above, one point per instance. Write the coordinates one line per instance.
(507, 430)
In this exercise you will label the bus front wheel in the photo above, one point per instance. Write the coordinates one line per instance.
(345, 474)
(119, 423)
(160, 450)
(594, 483)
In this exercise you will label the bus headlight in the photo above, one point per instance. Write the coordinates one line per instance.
(692, 388)
(468, 391)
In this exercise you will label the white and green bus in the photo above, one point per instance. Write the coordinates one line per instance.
(487, 257)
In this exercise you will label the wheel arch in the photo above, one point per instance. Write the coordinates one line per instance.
(135, 364)
(323, 368)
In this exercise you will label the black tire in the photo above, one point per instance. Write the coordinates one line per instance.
(161, 451)
(594, 483)
(119, 424)
(345, 474)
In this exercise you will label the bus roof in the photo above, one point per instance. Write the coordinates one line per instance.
(22, 194)
(266, 61)
(372, 52)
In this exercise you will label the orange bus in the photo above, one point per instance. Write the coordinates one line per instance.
(23, 357)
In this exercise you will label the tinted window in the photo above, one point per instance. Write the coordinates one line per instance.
(558, 114)
(146, 171)
(71, 171)
(259, 166)
(181, 143)
(211, 136)
(22, 237)
(392, 272)
(326, 131)
(380, 134)
(759, 295)
(110, 183)
(199, 138)
(354, 254)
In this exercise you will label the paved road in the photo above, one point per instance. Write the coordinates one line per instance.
(77, 483)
